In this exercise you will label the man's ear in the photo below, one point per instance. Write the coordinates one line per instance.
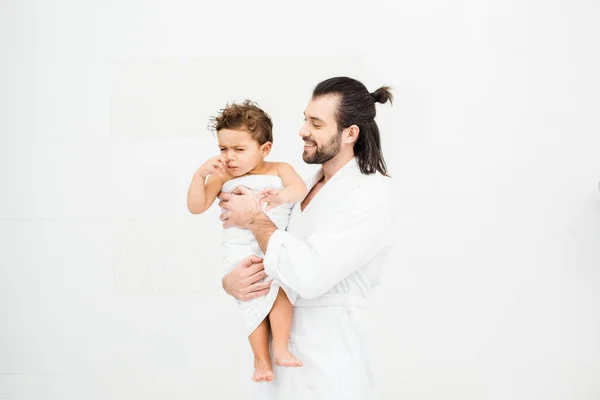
(265, 149)
(352, 133)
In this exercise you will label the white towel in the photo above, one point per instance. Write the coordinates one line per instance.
(238, 244)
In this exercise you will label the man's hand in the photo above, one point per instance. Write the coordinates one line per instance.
(243, 282)
(241, 207)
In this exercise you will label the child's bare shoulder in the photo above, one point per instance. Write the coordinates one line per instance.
(283, 168)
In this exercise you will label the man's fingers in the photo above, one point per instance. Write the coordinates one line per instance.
(253, 269)
(241, 190)
(248, 261)
(238, 190)
(250, 266)
(254, 295)
(255, 259)
(224, 196)
(259, 286)
(225, 216)
(257, 277)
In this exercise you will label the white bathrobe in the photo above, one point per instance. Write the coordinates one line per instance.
(328, 261)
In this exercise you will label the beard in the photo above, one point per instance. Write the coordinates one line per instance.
(322, 154)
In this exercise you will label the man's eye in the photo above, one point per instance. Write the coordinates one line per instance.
(240, 149)
(222, 149)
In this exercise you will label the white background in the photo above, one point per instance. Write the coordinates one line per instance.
(109, 288)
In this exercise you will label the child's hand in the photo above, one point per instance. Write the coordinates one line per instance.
(272, 197)
(215, 165)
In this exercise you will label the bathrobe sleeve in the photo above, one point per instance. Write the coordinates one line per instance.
(347, 241)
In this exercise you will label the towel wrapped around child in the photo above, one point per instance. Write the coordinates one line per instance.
(238, 244)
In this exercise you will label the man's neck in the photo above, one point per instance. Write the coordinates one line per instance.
(335, 164)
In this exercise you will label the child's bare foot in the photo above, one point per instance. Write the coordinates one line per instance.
(283, 357)
(263, 370)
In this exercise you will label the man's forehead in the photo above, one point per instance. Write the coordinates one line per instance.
(322, 107)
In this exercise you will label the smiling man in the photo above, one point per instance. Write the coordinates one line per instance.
(331, 256)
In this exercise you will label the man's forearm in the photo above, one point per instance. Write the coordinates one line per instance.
(262, 228)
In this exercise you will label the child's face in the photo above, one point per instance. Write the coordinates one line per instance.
(241, 151)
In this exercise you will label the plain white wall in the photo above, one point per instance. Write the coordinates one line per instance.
(110, 289)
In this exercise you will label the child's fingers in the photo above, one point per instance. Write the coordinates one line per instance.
(219, 164)
(268, 199)
(217, 168)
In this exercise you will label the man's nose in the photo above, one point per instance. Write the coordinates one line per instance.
(304, 133)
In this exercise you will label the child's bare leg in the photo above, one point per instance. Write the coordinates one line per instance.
(259, 341)
(281, 322)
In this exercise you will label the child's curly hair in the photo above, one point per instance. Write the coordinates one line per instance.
(244, 116)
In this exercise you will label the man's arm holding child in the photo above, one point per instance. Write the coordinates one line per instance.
(244, 281)
(362, 225)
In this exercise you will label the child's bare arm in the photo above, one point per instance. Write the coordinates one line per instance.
(202, 192)
(201, 196)
(294, 187)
